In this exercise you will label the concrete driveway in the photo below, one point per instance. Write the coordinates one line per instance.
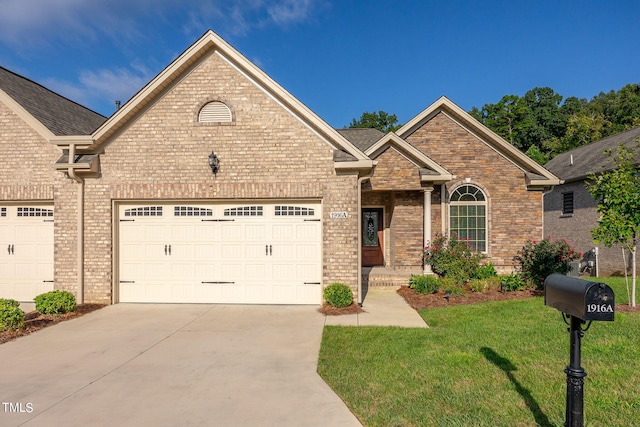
(172, 365)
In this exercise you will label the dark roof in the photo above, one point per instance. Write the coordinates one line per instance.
(578, 163)
(59, 114)
(362, 138)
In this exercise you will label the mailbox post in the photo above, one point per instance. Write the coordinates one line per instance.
(580, 301)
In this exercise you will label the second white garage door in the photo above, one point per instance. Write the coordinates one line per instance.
(26, 251)
(259, 253)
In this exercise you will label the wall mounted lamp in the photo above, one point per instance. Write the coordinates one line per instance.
(214, 163)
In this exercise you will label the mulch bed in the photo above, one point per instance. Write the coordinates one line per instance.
(420, 302)
(35, 321)
(330, 310)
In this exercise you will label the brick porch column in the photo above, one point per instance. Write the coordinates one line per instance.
(427, 224)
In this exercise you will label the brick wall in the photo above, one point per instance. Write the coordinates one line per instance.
(514, 214)
(576, 228)
(27, 175)
(265, 153)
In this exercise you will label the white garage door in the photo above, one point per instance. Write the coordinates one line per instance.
(26, 251)
(259, 253)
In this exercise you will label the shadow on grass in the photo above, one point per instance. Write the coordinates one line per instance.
(507, 367)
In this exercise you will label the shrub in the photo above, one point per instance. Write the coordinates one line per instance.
(452, 257)
(479, 285)
(424, 284)
(55, 302)
(539, 260)
(513, 282)
(486, 271)
(338, 295)
(11, 317)
(9, 303)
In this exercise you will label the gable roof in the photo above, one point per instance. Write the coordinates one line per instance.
(59, 115)
(577, 164)
(211, 43)
(363, 138)
(537, 177)
(430, 171)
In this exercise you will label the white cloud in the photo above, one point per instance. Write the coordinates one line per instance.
(290, 11)
(35, 22)
(132, 30)
(98, 87)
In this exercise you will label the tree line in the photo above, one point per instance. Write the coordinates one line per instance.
(540, 123)
(543, 126)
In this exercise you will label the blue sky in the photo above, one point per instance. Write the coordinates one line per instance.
(339, 57)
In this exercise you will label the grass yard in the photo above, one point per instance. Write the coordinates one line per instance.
(489, 364)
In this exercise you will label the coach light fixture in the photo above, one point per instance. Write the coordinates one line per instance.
(214, 163)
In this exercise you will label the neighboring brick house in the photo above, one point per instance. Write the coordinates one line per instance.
(570, 211)
(214, 184)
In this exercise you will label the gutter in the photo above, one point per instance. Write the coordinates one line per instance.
(80, 255)
(360, 181)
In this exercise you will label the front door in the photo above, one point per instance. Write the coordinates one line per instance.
(372, 237)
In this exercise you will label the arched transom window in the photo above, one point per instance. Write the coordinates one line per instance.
(468, 216)
(215, 112)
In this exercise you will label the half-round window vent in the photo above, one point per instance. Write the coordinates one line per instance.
(215, 112)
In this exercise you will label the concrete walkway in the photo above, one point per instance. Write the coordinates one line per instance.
(172, 365)
(383, 307)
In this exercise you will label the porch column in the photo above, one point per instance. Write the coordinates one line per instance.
(427, 224)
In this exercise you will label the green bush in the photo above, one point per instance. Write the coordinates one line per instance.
(479, 285)
(539, 260)
(424, 284)
(486, 271)
(338, 295)
(9, 303)
(513, 282)
(453, 258)
(11, 317)
(55, 302)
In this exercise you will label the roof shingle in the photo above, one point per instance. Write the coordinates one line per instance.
(59, 114)
(578, 163)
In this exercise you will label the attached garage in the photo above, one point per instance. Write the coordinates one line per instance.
(247, 253)
(26, 251)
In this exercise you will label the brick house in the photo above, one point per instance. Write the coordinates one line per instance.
(214, 184)
(570, 211)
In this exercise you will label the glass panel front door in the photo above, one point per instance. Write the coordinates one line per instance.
(372, 237)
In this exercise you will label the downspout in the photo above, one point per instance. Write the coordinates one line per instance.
(360, 181)
(80, 258)
(443, 209)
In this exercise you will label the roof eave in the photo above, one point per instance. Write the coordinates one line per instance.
(21, 112)
(360, 166)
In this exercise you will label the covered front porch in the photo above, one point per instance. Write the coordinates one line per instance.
(396, 225)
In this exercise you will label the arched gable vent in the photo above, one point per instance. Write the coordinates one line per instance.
(215, 112)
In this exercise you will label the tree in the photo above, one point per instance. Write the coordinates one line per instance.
(618, 194)
(504, 118)
(582, 129)
(381, 120)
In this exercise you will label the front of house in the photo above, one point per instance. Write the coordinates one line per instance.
(215, 185)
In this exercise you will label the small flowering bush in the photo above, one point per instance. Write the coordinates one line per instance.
(539, 260)
(452, 258)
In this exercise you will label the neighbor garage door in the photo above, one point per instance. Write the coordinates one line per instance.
(257, 253)
(26, 251)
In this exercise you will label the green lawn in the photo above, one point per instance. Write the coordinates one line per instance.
(490, 364)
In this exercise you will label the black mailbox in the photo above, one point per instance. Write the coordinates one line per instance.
(579, 298)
